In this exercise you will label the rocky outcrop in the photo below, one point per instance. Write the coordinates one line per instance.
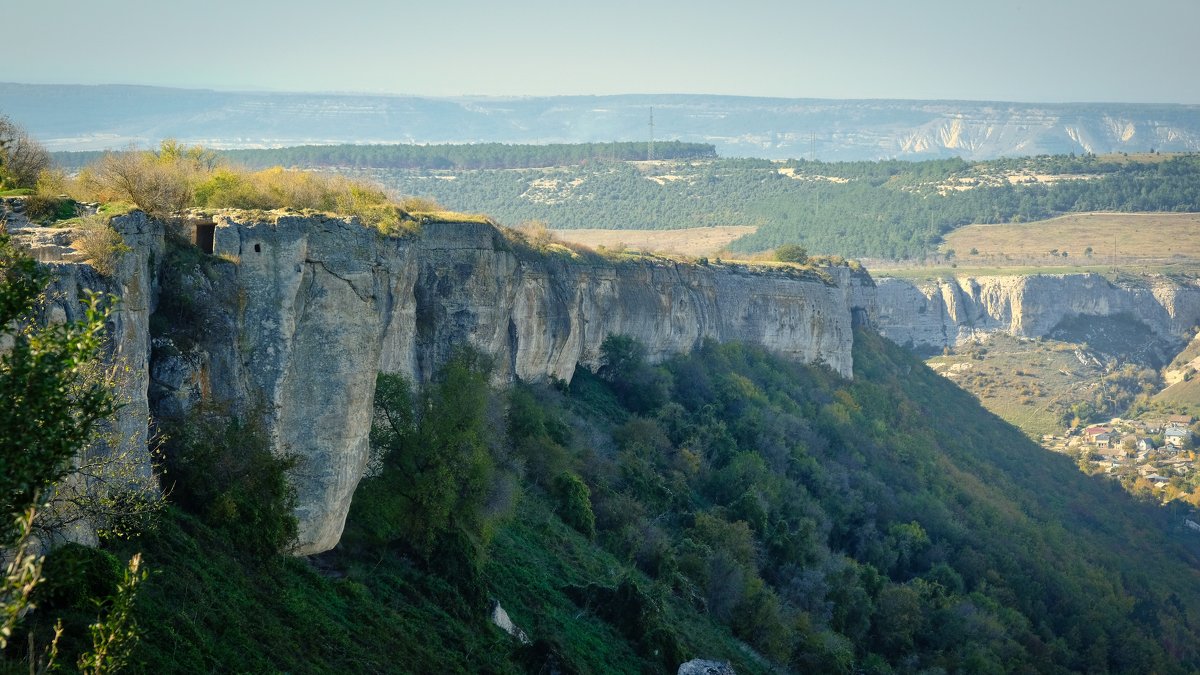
(310, 308)
(941, 313)
(501, 620)
(132, 288)
(705, 667)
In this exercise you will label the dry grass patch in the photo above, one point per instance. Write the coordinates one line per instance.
(1088, 239)
(175, 177)
(694, 241)
(103, 246)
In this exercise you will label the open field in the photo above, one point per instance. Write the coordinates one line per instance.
(1138, 243)
(695, 241)
(1123, 239)
(922, 272)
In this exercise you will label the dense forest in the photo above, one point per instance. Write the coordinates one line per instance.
(442, 156)
(726, 504)
(889, 209)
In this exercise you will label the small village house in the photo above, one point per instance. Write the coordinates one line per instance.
(1176, 437)
(1179, 421)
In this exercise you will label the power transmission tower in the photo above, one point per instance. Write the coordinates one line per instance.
(650, 145)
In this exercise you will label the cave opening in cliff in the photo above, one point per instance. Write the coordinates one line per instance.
(204, 236)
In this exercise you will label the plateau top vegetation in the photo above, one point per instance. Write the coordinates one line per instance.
(890, 210)
(725, 503)
(174, 178)
(883, 209)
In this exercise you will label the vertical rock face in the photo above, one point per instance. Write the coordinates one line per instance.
(937, 314)
(133, 285)
(310, 309)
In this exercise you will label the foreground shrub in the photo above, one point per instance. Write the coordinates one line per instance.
(103, 246)
(159, 183)
(175, 177)
(223, 469)
(22, 159)
(44, 209)
(75, 575)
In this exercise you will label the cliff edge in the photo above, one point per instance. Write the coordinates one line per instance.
(301, 312)
(940, 313)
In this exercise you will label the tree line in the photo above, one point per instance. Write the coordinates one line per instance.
(890, 209)
(443, 156)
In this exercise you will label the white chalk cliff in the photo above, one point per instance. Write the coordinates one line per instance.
(293, 316)
(940, 313)
(302, 312)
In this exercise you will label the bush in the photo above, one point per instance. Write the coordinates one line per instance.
(225, 472)
(436, 469)
(44, 209)
(158, 183)
(22, 159)
(640, 387)
(75, 575)
(793, 253)
(637, 614)
(175, 177)
(103, 246)
(575, 504)
(538, 438)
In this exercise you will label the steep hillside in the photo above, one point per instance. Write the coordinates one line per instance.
(728, 505)
(756, 479)
(1182, 391)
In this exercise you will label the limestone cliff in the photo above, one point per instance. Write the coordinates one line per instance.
(132, 283)
(940, 313)
(309, 309)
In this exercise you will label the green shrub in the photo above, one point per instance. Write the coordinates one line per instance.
(793, 253)
(45, 209)
(640, 387)
(539, 438)
(74, 575)
(575, 504)
(637, 614)
(436, 468)
(223, 470)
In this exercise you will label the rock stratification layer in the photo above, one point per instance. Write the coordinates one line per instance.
(311, 308)
(939, 313)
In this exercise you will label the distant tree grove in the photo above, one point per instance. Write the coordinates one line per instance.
(892, 209)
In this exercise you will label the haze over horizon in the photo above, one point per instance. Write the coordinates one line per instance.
(1055, 51)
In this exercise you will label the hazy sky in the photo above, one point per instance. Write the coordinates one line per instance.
(1014, 50)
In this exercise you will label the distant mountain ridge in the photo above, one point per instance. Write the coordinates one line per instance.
(77, 117)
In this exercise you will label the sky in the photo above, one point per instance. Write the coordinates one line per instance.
(1005, 50)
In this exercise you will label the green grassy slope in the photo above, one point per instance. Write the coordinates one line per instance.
(737, 506)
